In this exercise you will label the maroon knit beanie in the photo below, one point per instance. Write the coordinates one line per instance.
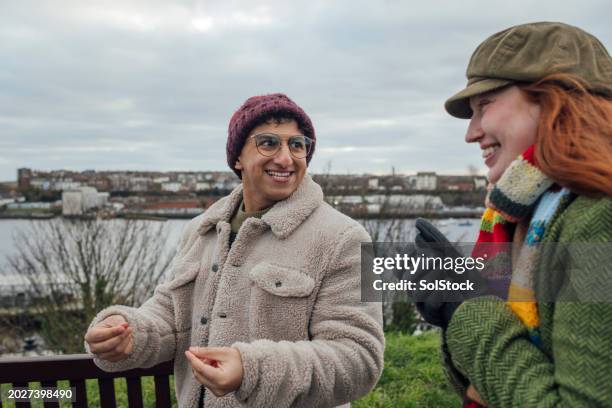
(254, 112)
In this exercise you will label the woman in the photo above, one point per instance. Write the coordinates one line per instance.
(539, 100)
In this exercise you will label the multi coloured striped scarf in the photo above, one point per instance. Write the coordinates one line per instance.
(522, 192)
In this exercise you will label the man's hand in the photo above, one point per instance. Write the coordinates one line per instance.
(217, 368)
(111, 339)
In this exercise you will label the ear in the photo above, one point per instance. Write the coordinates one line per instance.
(238, 165)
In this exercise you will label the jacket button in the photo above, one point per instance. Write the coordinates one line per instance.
(203, 320)
(222, 315)
(278, 284)
(215, 267)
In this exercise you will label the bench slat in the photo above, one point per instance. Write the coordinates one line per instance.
(49, 384)
(81, 393)
(162, 391)
(134, 389)
(107, 393)
(21, 404)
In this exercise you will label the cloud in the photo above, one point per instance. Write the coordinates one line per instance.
(152, 84)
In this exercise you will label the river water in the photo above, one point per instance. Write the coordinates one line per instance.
(463, 230)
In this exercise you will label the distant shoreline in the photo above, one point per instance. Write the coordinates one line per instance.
(25, 216)
(163, 217)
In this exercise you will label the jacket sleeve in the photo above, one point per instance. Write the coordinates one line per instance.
(344, 358)
(454, 376)
(153, 323)
(491, 346)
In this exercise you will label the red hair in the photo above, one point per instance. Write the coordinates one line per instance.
(574, 142)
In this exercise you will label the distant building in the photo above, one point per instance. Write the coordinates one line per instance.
(203, 186)
(67, 184)
(456, 183)
(40, 183)
(160, 180)
(119, 182)
(72, 203)
(90, 197)
(101, 183)
(23, 177)
(426, 181)
(171, 186)
(140, 183)
(102, 199)
(480, 182)
(78, 202)
(186, 178)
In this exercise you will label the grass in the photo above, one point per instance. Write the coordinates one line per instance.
(412, 377)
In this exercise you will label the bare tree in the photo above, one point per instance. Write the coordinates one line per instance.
(386, 226)
(71, 269)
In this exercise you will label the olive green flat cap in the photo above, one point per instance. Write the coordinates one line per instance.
(529, 52)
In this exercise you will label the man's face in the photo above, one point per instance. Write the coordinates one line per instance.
(267, 180)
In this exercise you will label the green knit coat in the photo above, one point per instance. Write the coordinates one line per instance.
(489, 346)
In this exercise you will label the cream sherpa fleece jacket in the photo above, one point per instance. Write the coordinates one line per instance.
(286, 295)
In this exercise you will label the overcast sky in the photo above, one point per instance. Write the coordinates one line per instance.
(151, 85)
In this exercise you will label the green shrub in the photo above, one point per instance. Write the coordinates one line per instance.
(404, 318)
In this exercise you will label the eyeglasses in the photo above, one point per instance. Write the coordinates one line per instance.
(268, 144)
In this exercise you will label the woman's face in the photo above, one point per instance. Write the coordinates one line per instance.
(504, 124)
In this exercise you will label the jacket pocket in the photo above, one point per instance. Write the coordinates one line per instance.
(280, 303)
(281, 281)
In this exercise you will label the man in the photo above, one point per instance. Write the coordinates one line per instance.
(263, 306)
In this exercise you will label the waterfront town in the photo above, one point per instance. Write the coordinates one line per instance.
(109, 194)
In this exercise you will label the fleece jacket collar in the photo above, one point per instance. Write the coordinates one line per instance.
(283, 218)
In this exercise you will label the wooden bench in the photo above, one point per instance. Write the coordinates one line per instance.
(77, 368)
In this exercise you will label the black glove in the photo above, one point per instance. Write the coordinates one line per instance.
(437, 313)
(430, 238)
(434, 244)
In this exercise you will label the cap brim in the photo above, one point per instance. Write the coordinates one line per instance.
(458, 105)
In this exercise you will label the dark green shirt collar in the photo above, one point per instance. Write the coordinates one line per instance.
(240, 216)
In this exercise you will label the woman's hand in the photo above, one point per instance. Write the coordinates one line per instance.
(472, 394)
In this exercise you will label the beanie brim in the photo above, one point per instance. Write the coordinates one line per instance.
(458, 105)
